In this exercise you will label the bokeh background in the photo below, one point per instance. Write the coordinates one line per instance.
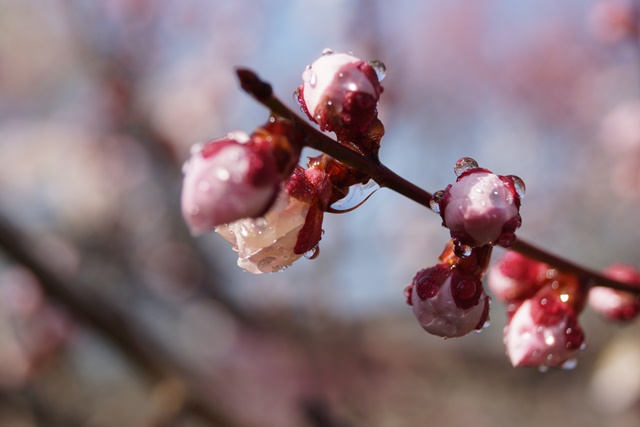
(111, 314)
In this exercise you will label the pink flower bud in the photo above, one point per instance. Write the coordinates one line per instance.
(228, 179)
(613, 304)
(514, 277)
(543, 331)
(340, 92)
(481, 208)
(447, 302)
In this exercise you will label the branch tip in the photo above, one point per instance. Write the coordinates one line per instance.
(253, 85)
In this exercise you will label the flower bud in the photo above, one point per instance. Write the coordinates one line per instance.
(226, 180)
(291, 228)
(340, 92)
(613, 304)
(447, 302)
(266, 245)
(515, 277)
(481, 208)
(543, 331)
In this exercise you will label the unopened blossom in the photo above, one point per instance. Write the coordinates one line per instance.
(226, 180)
(266, 245)
(543, 331)
(291, 228)
(481, 208)
(447, 302)
(340, 92)
(514, 277)
(613, 304)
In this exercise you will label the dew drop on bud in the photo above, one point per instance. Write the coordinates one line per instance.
(434, 203)
(570, 364)
(312, 253)
(518, 184)
(327, 51)
(380, 69)
(463, 165)
(462, 251)
(357, 195)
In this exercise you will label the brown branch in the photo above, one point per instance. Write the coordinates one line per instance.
(142, 350)
(262, 92)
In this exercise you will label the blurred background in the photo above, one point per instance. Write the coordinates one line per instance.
(111, 314)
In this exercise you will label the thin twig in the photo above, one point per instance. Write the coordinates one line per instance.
(262, 92)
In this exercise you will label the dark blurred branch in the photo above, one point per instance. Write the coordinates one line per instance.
(113, 325)
(262, 92)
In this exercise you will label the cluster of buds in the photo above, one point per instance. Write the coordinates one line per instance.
(543, 305)
(250, 188)
(480, 209)
(448, 299)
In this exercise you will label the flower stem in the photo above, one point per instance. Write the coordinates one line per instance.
(385, 177)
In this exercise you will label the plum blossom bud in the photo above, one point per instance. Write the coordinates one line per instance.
(447, 302)
(291, 228)
(340, 92)
(544, 331)
(613, 304)
(226, 180)
(481, 208)
(266, 245)
(515, 277)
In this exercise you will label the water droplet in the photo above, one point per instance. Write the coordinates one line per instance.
(312, 253)
(570, 364)
(583, 346)
(260, 223)
(327, 51)
(196, 148)
(518, 184)
(357, 195)
(239, 136)
(549, 356)
(543, 368)
(309, 76)
(222, 174)
(463, 165)
(265, 262)
(379, 68)
(434, 203)
(462, 251)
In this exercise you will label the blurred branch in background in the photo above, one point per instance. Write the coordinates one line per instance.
(100, 103)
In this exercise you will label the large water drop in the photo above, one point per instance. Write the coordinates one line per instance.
(358, 194)
(463, 165)
(380, 69)
(434, 203)
(518, 184)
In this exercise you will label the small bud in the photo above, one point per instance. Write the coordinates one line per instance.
(543, 331)
(228, 179)
(613, 304)
(447, 302)
(481, 208)
(340, 92)
(514, 277)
